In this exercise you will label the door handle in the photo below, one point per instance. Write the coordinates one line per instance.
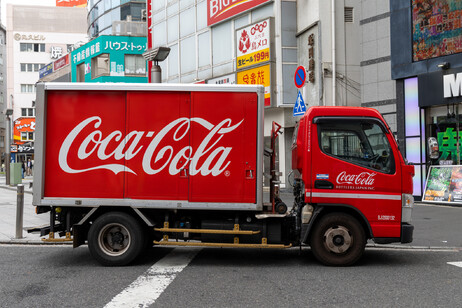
(323, 184)
(184, 173)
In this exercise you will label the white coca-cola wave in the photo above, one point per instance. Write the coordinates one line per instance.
(363, 178)
(188, 154)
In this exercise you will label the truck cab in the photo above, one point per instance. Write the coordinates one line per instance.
(349, 173)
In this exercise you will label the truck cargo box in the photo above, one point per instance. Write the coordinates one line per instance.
(149, 146)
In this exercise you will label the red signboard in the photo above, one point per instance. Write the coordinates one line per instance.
(151, 145)
(61, 62)
(218, 10)
(23, 126)
(81, 3)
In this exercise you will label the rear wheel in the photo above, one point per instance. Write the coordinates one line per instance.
(116, 239)
(338, 239)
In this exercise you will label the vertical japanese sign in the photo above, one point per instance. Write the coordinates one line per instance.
(260, 75)
(253, 44)
(219, 10)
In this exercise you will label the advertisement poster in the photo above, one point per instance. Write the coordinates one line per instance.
(253, 44)
(259, 75)
(436, 28)
(444, 184)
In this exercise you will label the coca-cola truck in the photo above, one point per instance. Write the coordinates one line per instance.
(124, 166)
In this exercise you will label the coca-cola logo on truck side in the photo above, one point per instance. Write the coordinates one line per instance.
(363, 178)
(94, 143)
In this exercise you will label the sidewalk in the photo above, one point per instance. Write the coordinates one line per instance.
(8, 204)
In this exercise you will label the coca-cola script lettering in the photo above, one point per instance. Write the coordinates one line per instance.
(364, 178)
(154, 159)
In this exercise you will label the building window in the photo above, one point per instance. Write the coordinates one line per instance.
(80, 76)
(27, 88)
(28, 112)
(31, 67)
(27, 136)
(32, 47)
(135, 65)
(100, 65)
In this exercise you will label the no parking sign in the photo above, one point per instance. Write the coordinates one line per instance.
(300, 76)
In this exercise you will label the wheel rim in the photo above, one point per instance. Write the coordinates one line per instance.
(338, 239)
(114, 239)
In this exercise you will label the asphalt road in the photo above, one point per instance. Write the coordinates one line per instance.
(37, 276)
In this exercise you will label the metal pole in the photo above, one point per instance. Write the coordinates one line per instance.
(156, 73)
(8, 150)
(19, 210)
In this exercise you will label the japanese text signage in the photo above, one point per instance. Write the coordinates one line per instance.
(311, 58)
(258, 76)
(219, 10)
(46, 70)
(253, 44)
(61, 62)
(23, 125)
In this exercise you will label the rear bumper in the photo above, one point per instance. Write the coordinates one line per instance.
(407, 231)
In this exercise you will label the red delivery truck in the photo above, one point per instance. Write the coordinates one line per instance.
(123, 166)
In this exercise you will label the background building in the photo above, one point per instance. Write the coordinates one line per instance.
(47, 35)
(110, 59)
(123, 17)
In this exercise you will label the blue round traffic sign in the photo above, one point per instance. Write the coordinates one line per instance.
(300, 76)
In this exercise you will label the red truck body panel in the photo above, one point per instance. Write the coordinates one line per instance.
(198, 145)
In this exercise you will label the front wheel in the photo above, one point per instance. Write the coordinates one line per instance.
(115, 239)
(338, 239)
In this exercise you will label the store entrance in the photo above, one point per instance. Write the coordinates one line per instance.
(443, 142)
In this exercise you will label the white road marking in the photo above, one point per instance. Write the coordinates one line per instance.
(459, 264)
(145, 290)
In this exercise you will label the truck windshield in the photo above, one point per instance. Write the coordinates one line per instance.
(360, 143)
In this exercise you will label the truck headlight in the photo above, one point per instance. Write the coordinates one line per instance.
(406, 211)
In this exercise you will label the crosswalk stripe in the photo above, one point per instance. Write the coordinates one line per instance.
(145, 290)
(459, 264)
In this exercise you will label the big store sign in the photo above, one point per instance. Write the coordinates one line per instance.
(219, 10)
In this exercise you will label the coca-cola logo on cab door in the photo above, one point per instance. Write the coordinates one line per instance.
(154, 159)
(364, 178)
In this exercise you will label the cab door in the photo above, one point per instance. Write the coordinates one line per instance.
(353, 164)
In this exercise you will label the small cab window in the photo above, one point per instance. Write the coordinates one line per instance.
(359, 142)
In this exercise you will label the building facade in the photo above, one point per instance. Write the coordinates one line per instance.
(30, 46)
(110, 59)
(426, 62)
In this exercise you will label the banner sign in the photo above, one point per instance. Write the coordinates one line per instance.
(61, 62)
(253, 44)
(444, 184)
(46, 70)
(259, 75)
(219, 10)
(80, 3)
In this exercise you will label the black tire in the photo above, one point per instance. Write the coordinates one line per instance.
(116, 239)
(338, 239)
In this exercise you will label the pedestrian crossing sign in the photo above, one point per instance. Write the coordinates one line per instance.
(299, 107)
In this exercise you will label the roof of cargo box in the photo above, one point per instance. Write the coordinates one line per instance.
(151, 87)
